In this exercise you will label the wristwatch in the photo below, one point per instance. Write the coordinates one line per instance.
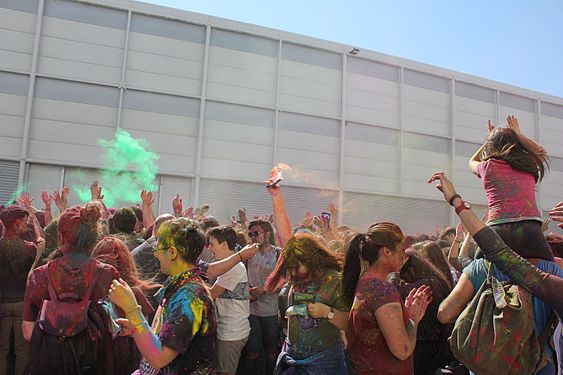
(462, 206)
(330, 314)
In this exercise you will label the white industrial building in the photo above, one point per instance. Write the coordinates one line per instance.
(222, 101)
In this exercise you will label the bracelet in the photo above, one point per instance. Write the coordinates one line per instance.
(240, 256)
(138, 307)
(451, 201)
(140, 327)
(458, 241)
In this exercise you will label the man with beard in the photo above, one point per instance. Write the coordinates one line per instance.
(262, 346)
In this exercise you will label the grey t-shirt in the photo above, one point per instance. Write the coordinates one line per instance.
(259, 268)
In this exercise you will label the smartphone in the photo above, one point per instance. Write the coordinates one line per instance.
(326, 217)
(274, 183)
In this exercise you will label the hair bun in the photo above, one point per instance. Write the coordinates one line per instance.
(91, 213)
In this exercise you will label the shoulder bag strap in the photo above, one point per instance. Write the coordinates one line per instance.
(546, 331)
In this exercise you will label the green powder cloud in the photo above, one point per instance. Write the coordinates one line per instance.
(128, 168)
(19, 190)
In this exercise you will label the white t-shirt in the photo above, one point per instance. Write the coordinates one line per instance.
(233, 306)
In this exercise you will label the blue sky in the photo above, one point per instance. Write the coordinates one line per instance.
(519, 42)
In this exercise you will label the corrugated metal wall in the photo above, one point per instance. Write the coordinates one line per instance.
(221, 102)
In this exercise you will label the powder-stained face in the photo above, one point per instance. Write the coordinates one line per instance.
(164, 242)
(301, 273)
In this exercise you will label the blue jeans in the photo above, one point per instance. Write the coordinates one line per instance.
(299, 359)
(261, 349)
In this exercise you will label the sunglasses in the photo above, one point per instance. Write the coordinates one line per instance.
(158, 249)
(254, 233)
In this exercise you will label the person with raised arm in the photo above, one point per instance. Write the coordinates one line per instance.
(543, 279)
(509, 165)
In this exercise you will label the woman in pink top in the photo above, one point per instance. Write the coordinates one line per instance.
(510, 164)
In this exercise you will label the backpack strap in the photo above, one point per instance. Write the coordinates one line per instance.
(94, 281)
(52, 293)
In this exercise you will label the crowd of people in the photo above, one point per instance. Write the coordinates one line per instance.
(98, 290)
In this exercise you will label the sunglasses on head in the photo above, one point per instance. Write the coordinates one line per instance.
(254, 233)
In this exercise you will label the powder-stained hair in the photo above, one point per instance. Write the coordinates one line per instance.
(185, 235)
(306, 249)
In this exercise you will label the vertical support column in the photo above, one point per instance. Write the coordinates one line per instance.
(401, 131)
(497, 108)
(62, 181)
(159, 196)
(197, 179)
(276, 106)
(122, 86)
(343, 96)
(453, 216)
(30, 92)
(539, 139)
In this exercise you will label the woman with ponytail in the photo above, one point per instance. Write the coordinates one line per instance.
(381, 330)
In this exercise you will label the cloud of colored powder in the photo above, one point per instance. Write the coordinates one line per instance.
(128, 168)
(19, 191)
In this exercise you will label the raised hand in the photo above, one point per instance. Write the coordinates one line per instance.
(147, 198)
(445, 185)
(177, 205)
(332, 209)
(459, 231)
(189, 212)
(203, 210)
(556, 213)
(490, 127)
(242, 215)
(513, 124)
(26, 201)
(61, 198)
(46, 199)
(308, 221)
(96, 191)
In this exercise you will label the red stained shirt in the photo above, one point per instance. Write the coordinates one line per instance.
(369, 353)
(510, 193)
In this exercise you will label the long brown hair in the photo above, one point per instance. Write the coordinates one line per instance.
(367, 247)
(417, 268)
(111, 250)
(306, 249)
(430, 251)
(503, 143)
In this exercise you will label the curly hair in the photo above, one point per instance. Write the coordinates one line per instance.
(306, 249)
(185, 235)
